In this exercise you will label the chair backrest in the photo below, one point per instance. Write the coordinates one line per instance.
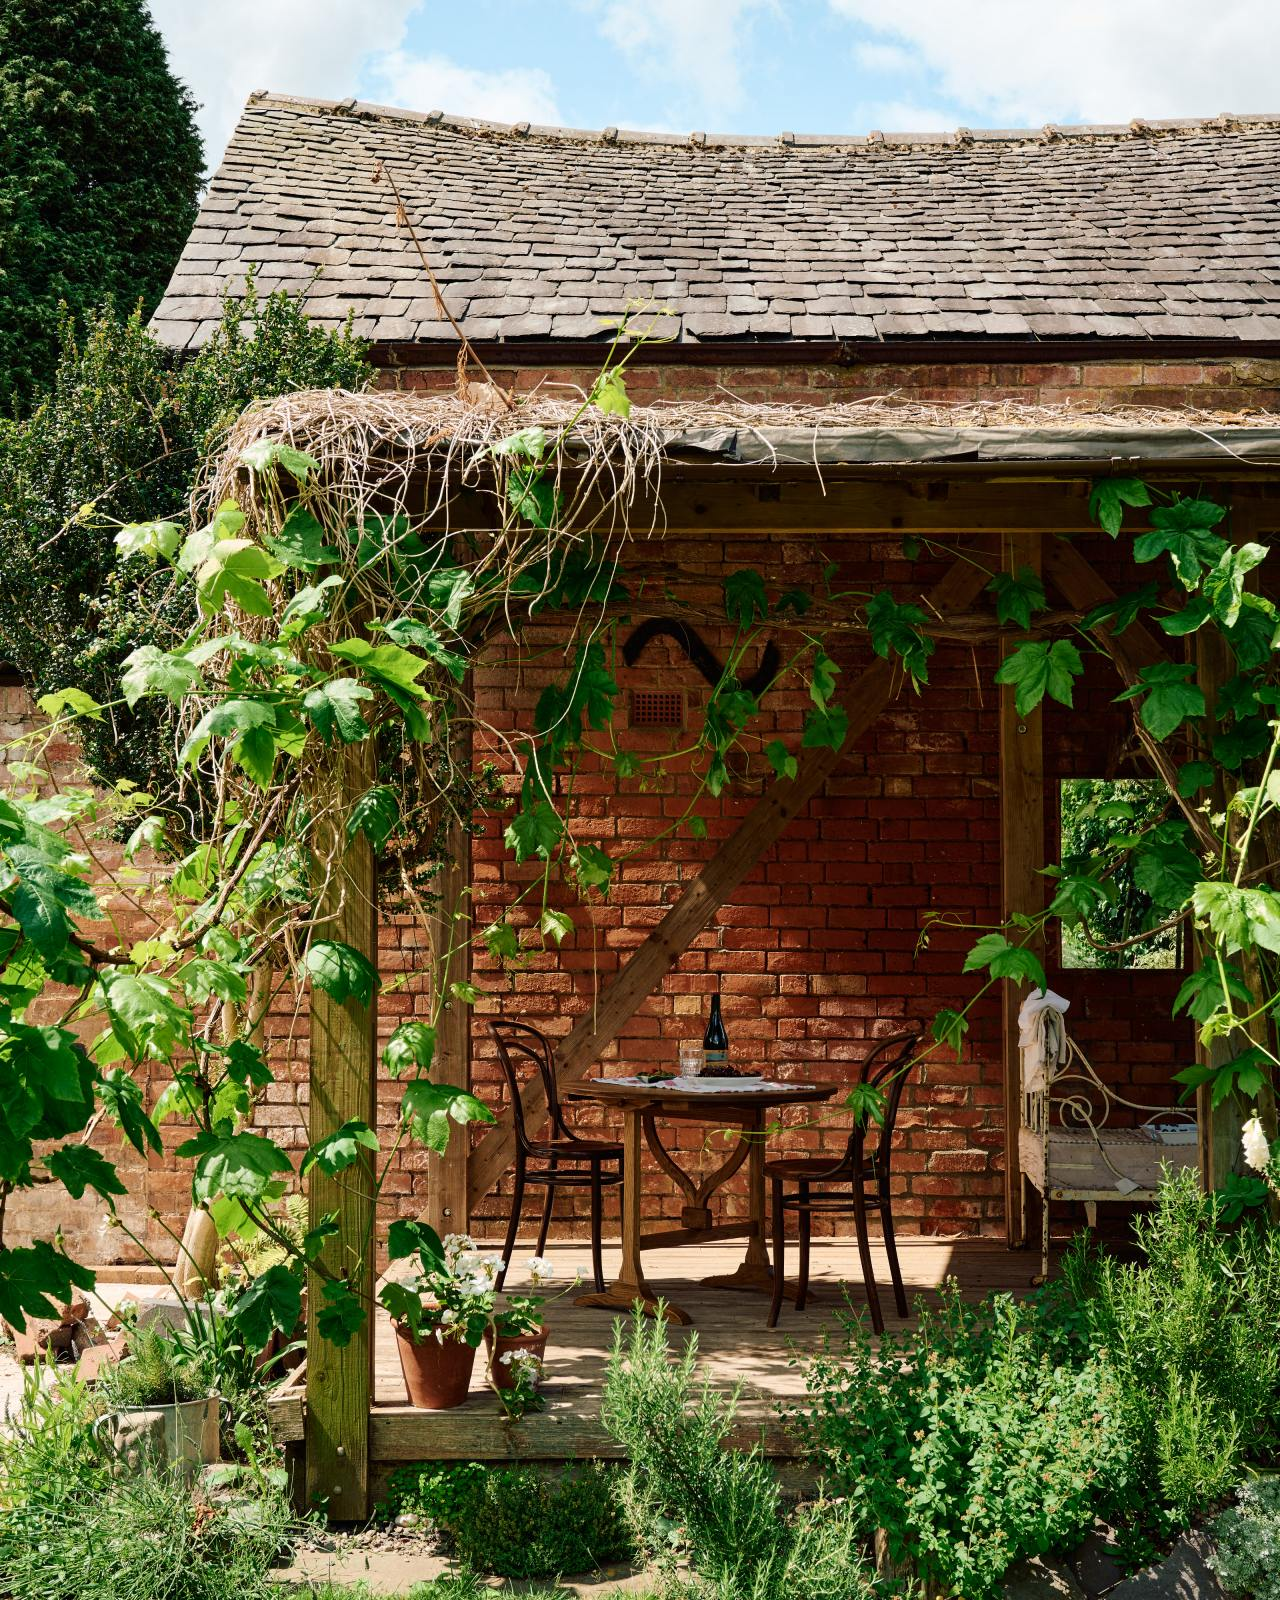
(518, 1046)
(886, 1067)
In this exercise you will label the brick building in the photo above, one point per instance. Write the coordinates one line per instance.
(1042, 304)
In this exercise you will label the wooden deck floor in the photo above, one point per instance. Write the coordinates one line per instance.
(733, 1342)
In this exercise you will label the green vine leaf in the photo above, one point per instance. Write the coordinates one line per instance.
(1239, 917)
(744, 597)
(36, 1281)
(1193, 776)
(334, 707)
(1004, 960)
(784, 764)
(1224, 585)
(342, 1315)
(900, 630)
(448, 591)
(375, 814)
(609, 394)
(153, 539)
(340, 1149)
(825, 730)
(150, 670)
(407, 630)
(949, 1028)
(1110, 496)
(78, 1167)
(393, 669)
(341, 972)
(264, 454)
(532, 496)
(121, 1098)
(1182, 531)
(1166, 870)
(428, 1108)
(1202, 995)
(300, 542)
(555, 925)
(535, 831)
(241, 1166)
(76, 701)
(526, 444)
(1039, 667)
(1122, 611)
(1169, 698)
(822, 683)
(1018, 598)
(271, 1304)
(502, 942)
(411, 1048)
(592, 867)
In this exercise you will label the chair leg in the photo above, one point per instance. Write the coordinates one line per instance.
(891, 1250)
(806, 1227)
(779, 1254)
(864, 1255)
(548, 1203)
(513, 1227)
(597, 1228)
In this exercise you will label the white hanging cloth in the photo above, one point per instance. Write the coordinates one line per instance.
(1041, 1035)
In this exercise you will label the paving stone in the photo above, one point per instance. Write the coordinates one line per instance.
(1095, 233)
(1095, 1565)
(1041, 1579)
(1185, 1574)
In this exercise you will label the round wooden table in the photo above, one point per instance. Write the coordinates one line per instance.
(738, 1106)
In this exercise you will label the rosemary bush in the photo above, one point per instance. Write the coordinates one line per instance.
(727, 1504)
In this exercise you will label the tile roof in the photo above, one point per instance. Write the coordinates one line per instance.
(1152, 230)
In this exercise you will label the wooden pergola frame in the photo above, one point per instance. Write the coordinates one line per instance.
(982, 507)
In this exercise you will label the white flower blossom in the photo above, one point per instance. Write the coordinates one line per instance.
(541, 1269)
(1257, 1148)
(521, 1361)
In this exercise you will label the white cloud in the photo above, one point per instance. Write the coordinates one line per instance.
(876, 56)
(692, 49)
(328, 49)
(903, 116)
(1030, 62)
(225, 49)
(429, 83)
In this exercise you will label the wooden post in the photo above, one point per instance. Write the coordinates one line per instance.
(1022, 819)
(344, 1088)
(447, 1208)
(701, 899)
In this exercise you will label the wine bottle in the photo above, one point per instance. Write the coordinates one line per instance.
(715, 1041)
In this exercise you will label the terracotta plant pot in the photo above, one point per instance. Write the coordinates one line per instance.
(437, 1372)
(535, 1343)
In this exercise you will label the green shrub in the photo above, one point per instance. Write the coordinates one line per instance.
(726, 1503)
(1189, 1336)
(519, 1522)
(979, 1436)
(1248, 1539)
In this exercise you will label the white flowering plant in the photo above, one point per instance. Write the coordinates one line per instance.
(1261, 1154)
(451, 1294)
(522, 1313)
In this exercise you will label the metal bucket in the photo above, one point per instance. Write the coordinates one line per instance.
(184, 1435)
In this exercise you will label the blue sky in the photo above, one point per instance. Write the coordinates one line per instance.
(751, 66)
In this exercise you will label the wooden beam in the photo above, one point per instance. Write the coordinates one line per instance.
(701, 899)
(1022, 832)
(447, 1208)
(1083, 587)
(344, 1088)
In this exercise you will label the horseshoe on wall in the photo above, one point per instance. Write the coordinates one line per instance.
(699, 652)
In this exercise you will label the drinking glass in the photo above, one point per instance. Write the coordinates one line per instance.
(691, 1058)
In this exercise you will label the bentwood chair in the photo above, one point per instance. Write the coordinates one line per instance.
(857, 1182)
(562, 1161)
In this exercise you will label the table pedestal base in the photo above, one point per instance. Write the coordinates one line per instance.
(627, 1296)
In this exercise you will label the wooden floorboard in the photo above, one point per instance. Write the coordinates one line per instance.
(733, 1344)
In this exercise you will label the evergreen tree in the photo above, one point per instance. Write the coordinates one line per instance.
(100, 168)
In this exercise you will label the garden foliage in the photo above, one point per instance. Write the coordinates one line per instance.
(1247, 1535)
(71, 1524)
(723, 1507)
(100, 171)
(518, 1522)
(121, 437)
(975, 1438)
